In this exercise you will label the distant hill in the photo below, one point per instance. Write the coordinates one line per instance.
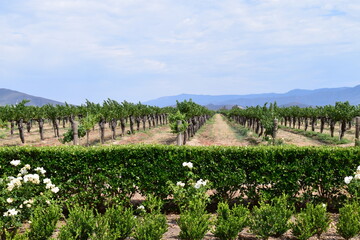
(9, 97)
(299, 97)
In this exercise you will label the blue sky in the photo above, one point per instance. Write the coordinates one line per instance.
(137, 50)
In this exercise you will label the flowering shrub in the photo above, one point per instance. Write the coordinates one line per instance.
(186, 192)
(353, 183)
(21, 192)
(191, 198)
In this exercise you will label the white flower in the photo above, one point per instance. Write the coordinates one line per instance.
(47, 181)
(27, 166)
(28, 205)
(34, 178)
(50, 186)
(55, 190)
(15, 182)
(348, 179)
(41, 170)
(200, 183)
(48, 202)
(10, 212)
(21, 206)
(9, 200)
(357, 176)
(181, 184)
(141, 207)
(188, 164)
(15, 162)
(23, 171)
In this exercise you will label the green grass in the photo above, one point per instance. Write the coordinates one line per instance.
(321, 137)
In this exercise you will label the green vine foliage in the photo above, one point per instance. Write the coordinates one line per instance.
(69, 135)
(174, 118)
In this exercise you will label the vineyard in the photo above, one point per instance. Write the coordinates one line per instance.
(127, 123)
(132, 185)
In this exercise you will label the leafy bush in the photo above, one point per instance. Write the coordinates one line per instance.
(79, 225)
(271, 220)
(348, 225)
(230, 222)
(174, 118)
(194, 222)
(103, 175)
(21, 192)
(116, 224)
(310, 221)
(43, 221)
(69, 135)
(151, 224)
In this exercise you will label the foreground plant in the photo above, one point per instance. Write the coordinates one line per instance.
(43, 221)
(353, 184)
(348, 225)
(21, 193)
(194, 222)
(151, 223)
(271, 220)
(79, 225)
(117, 223)
(191, 198)
(230, 222)
(313, 220)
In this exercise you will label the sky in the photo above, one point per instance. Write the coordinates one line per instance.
(138, 50)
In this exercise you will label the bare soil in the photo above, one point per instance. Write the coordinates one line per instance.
(296, 139)
(216, 132)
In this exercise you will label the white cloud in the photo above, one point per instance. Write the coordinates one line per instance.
(185, 40)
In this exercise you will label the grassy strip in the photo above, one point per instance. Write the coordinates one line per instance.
(242, 133)
(321, 137)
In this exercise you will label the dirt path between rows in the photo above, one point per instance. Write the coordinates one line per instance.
(215, 132)
(159, 135)
(297, 139)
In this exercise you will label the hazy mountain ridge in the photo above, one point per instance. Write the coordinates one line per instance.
(300, 97)
(9, 97)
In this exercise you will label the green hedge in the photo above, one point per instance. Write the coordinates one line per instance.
(97, 174)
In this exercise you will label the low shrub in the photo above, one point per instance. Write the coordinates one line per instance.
(313, 220)
(79, 225)
(271, 219)
(348, 225)
(194, 221)
(151, 223)
(43, 221)
(117, 223)
(101, 176)
(230, 222)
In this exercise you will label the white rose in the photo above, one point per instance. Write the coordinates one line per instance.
(9, 200)
(55, 190)
(347, 180)
(15, 162)
(181, 184)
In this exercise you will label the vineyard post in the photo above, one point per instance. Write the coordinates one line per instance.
(275, 130)
(75, 133)
(357, 129)
(179, 139)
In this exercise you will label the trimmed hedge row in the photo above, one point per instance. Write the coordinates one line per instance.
(97, 174)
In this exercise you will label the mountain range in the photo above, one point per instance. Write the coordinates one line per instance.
(9, 97)
(299, 97)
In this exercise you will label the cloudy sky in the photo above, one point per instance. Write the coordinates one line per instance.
(137, 50)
